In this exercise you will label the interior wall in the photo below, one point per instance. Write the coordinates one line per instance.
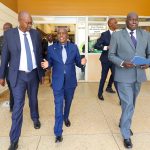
(12, 4)
(7, 15)
(94, 68)
(84, 7)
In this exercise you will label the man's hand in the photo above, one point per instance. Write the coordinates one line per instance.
(127, 64)
(44, 64)
(83, 61)
(144, 66)
(2, 82)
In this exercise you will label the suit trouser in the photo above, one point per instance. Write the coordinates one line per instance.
(105, 68)
(11, 98)
(62, 110)
(25, 82)
(128, 93)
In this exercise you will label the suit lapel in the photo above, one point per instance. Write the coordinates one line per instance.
(109, 35)
(128, 38)
(138, 38)
(17, 39)
(33, 40)
(69, 52)
(58, 50)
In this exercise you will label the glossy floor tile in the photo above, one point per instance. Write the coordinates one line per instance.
(94, 123)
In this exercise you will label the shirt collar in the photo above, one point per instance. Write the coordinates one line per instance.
(27, 33)
(65, 45)
(111, 31)
(134, 31)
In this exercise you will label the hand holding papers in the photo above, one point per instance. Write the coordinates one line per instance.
(138, 61)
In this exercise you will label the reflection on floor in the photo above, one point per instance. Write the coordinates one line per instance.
(4, 96)
(94, 122)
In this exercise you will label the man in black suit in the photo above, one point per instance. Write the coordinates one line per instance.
(6, 27)
(22, 51)
(49, 40)
(103, 44)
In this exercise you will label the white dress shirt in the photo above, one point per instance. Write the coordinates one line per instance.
(134, 32)
(23, 56)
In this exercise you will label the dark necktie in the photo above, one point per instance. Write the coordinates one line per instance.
(133, 39)
(28, 54)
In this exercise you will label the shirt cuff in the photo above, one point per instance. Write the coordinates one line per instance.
(105, 48)
(121, 64)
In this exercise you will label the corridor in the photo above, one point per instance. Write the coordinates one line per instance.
(94, 123)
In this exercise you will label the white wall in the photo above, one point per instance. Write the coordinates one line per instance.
(7, 15)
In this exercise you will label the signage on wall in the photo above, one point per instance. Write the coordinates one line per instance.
(95, 29)
(94, 33)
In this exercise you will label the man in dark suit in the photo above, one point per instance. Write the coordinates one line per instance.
(103, 44)
(6, 27)
(62, 57)
(49, 40)
(124, 45)
(22, 51)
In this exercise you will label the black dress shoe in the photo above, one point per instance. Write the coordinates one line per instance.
(110, 90)
(131, 133)
(101, 97)
(13, 146)
(37, 124)
(127, 143)
(67, 123)
(58, 139)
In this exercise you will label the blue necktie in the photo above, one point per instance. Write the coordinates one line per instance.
(28, 54)
(64, 54)
(133, 39)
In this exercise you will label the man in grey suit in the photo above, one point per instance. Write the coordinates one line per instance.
(22, 51)
(124, 45)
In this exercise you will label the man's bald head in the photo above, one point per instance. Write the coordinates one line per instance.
(112, 23)
(131, 14)
(132, 21)
(23, 14)
(25, 21)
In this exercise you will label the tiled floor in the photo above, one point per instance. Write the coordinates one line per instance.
(94, 122)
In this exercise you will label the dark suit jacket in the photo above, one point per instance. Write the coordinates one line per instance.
(1, 43)
(104, 40)
(44, 48)
(11, 54)
(59, 79)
